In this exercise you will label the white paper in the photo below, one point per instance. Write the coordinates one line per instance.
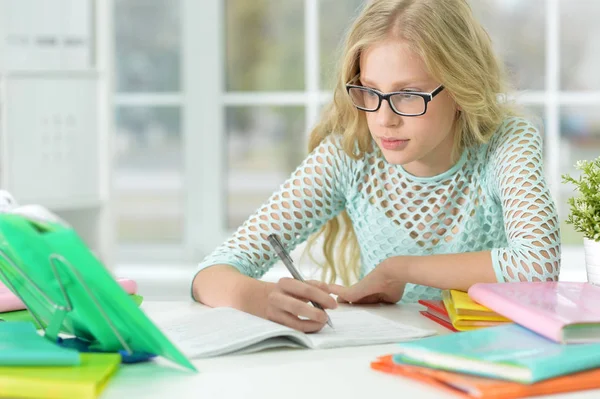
(220, 331)
(359, 327)
(223, 331)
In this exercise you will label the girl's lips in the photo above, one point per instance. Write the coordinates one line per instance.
(394, 144)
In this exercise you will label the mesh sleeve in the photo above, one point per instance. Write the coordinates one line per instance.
(314, 194)
(530, 218)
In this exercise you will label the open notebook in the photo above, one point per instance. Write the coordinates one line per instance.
(222, 331)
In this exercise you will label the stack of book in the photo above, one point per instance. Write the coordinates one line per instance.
(553, 345)
(31, 366)
(458, 312)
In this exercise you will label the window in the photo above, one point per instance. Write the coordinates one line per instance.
(578, 120)
(255, 75)
(148, 179)
(276, 84)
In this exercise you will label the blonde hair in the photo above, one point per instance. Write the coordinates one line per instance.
(457, 52)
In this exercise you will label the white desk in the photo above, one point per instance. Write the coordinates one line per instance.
(283, 373)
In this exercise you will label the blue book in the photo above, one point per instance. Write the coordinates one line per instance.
(21, 345)
(507, 352)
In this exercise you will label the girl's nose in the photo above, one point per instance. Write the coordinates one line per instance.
(386, 117)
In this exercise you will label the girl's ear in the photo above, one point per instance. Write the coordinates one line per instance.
(458, 108)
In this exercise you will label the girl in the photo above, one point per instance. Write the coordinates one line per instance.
(419, 178)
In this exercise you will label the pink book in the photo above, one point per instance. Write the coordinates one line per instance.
(565, 312)
(10, 302)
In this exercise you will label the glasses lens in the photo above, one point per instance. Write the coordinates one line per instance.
(363, 98)
(408, 104)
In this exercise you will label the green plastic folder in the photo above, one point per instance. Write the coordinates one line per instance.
(68, 290)
(25, 315)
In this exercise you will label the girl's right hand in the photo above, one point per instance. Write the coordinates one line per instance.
(288, 304)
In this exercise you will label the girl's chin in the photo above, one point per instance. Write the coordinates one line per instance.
(396, 158)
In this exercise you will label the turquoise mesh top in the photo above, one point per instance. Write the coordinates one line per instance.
(494, 198)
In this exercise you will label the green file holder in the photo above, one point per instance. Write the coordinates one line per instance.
(69, 291)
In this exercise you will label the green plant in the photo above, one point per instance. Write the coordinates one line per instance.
(585, 209)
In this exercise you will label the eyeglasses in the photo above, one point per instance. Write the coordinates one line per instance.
(405, 103)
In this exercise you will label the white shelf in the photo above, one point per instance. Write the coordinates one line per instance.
(55, 111)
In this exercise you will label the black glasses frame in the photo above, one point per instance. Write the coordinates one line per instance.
(427, 97)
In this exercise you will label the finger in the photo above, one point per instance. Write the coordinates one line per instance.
(297, 307)
(307, 292)
(340, 291)
(348, 294)
(352, 295)
(307, 326)
(320, 285)
(337, 289)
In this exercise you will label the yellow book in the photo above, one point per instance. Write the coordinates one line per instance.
(465, 306)
(466, 314)
(85, 381)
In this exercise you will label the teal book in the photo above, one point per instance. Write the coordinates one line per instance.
(21, 345)
(507, 352)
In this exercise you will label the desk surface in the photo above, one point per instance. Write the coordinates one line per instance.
(281, 373)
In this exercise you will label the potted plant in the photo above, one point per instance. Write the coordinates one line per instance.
(584, 213)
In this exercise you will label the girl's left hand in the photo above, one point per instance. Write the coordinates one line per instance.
(379, 286)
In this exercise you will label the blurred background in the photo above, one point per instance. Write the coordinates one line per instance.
(203, 109)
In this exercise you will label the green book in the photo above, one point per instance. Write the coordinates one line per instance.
(19, 315)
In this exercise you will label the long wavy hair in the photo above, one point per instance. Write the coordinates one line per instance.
(457, 52)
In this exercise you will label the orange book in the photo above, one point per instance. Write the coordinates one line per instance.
(470, 386)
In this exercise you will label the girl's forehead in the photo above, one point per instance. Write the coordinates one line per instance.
(392, 62)
(393, 52)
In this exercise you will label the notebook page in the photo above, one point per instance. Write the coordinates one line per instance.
(359, 327)
(221, 331)
(276, 342)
